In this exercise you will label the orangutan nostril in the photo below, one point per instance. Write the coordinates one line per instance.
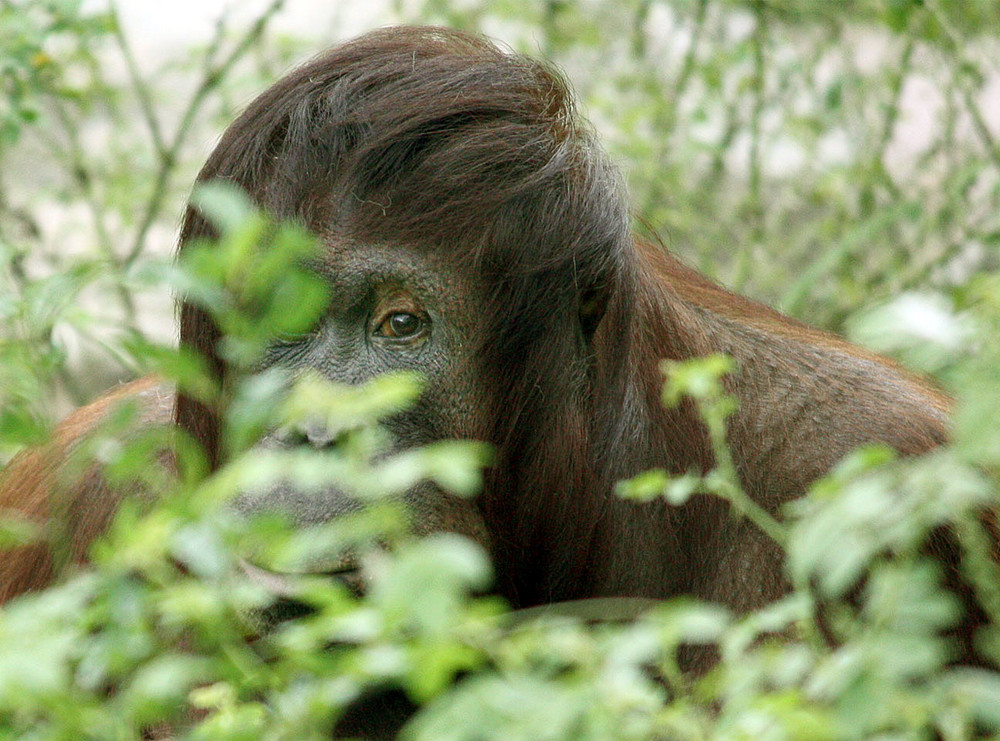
(313, 432)
(318, 434)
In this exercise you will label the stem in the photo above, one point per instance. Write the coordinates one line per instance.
(976, 565)
(139, 86)
(666, 110)
(210, 81)
(725, 480)
(82, 174)
(638, 29)
(755, 201)
(759, 84)
(958, 44)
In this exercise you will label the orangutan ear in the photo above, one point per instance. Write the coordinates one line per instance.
(593, 304)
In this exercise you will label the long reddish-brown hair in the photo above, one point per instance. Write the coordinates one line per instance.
(438, 139)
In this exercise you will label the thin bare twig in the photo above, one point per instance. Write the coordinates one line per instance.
(139, 86)
(760, 37)
(687, 66)
(880, 174)
(954, 37)
(755, 199)
(210, 81)
(666, 119)
(898, 75)
(82, 175)
(957, 44)
(639, 28)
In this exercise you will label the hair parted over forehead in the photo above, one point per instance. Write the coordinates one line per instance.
(428, 136)
(546, 326)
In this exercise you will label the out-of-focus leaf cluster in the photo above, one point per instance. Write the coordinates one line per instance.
(860, 647)
(763, 142)
(168, 614)
(170, 618)
(45, 48)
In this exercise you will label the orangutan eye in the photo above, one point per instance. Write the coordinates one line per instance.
(401, 325)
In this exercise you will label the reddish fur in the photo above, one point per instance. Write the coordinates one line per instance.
(28, 483)
(574, 408)
(35, 482)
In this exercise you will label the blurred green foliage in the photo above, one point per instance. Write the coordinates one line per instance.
(839, 160)
(170, 618)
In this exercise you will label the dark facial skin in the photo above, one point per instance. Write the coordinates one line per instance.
(391, 309)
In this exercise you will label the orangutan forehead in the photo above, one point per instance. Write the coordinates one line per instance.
(430, 137)
(354, 268)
